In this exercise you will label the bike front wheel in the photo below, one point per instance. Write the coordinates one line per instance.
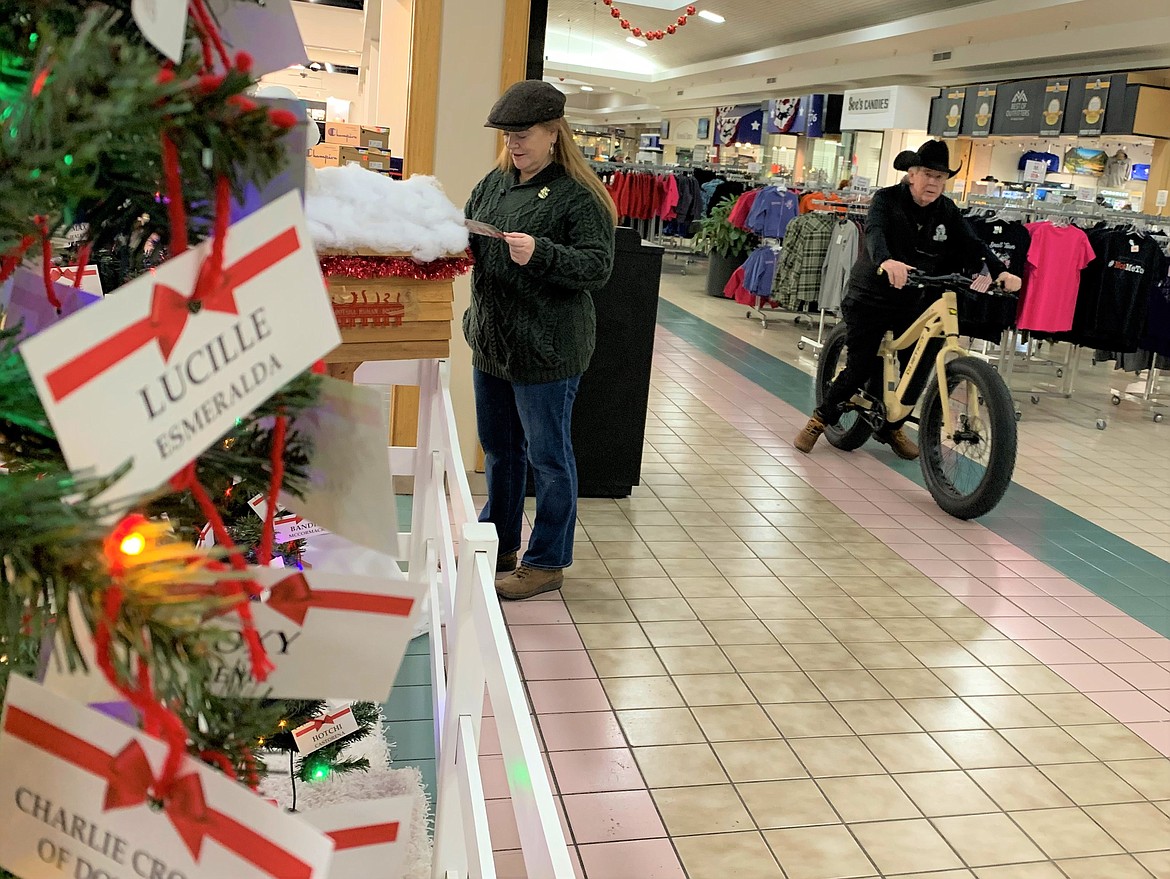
(851, 431)
(969, 470)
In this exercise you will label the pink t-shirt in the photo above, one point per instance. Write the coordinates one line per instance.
(1053, 277)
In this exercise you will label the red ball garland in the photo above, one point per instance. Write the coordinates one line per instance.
(615, 12)
(368, 267)
(671, 29)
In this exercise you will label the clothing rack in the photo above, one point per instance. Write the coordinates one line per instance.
(856, 208)
(1031, 210)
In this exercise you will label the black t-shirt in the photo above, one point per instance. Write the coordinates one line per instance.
(1115, 290)
(1008, 240)
(1157, 335)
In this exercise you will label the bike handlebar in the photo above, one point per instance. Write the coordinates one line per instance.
(918, 279)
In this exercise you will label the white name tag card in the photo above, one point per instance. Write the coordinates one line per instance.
(370, 837)
(316, 734)
(154, 376)
(82, 801)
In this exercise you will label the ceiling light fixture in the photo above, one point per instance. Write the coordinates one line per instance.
(634, 41)
(586, 88)
(713, 17)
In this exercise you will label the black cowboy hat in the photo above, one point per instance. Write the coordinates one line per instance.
(933, 155)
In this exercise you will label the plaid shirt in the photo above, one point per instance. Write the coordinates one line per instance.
(798, 274)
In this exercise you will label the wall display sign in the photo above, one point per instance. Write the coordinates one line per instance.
(1052, 115)
(953, 112)
(1092, 120)
(782, 115)
(1018, 106)
(1086, 193)
(1160, 201)
(984, 110)
(743, 123)
(810, 116)
(1035, 171)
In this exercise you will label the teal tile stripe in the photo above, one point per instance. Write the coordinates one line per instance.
(1132, 579)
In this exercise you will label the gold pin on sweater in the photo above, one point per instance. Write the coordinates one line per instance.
(543, 193)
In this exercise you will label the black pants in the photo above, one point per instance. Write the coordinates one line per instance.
(865, 327)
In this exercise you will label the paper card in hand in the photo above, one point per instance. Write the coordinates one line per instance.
(150, 376)
(485, 229)
(78, 787)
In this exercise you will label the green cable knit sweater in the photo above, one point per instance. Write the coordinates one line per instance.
(535, 323)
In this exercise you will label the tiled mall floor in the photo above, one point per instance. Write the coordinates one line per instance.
(771, 665)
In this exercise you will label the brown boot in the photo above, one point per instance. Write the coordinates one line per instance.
(903, 446)
(527, 582)
(506, 563)
(807, 438)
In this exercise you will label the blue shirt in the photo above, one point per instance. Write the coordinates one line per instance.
(1050, 159)
(759, 272)
(773, 210)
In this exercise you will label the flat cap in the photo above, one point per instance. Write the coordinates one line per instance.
(525, 104)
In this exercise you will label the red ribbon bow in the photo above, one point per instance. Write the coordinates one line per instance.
(292, 597)
(169, 312)
(321, 722)
(131, 782)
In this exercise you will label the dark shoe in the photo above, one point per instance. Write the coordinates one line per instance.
(506, 563)
(527, 582)
(807, 438)
(903, 446)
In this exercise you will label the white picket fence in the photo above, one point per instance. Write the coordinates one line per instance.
(470, 649)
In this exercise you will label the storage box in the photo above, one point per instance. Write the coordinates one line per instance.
(334, 155)
(363, 136)
(391, 318)
(378, 160)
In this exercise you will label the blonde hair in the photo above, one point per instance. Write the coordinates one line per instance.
(566, 154)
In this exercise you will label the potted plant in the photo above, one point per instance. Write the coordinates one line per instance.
(727, 245)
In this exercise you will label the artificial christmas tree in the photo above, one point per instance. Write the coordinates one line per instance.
(111, 154)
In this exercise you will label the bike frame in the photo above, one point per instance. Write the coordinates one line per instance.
(940, 320)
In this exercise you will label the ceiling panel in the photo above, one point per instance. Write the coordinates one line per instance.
(750, 25)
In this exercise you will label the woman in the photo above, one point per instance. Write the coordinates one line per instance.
(531, 325)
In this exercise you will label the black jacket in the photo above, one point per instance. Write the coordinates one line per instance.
(935, 239)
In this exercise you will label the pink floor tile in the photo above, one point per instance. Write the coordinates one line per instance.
(502, 825)
(1046, 606)
(1091, 677)
(510, 864)
(941, 568)
(495, 777)
(1124, 627)
(959, 586)
(991, 606)
(580, 772)
(1023, 627)
(1091, 605)
(559, 697)
(1013, 587)
(1131, 706)
(1109, 650)
(1157, 649)
(1162, 697)
(580, 732)
(1156, 734)
(1143, 675)
(528, 613)
(556, 665)
(989, 568)
(613, 816)
(1031, 568)
(1053, 652)
(1068, 626)
(525, 638)
(1061, 586)
(637, 859)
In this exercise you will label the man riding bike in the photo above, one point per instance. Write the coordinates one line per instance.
(911, 226)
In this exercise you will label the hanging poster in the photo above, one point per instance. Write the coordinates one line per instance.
(953, 102)
(782, 115)
(743, 123)
(1017, 108)
(1052, 116)
(810, 116)
(1093, 112)
(984, 110)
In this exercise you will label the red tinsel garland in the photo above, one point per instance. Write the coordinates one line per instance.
(366, 267)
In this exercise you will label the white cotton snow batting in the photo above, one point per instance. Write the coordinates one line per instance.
(351, 209)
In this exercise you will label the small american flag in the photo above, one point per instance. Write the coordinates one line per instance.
(981, 283)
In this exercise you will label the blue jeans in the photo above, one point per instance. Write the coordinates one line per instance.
(519, 424)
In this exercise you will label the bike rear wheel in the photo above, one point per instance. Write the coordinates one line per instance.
(851, 432)
(968, 472)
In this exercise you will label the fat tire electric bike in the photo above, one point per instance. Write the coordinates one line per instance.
(967, 422)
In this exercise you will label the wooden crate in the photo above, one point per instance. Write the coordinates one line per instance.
(391, 319)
